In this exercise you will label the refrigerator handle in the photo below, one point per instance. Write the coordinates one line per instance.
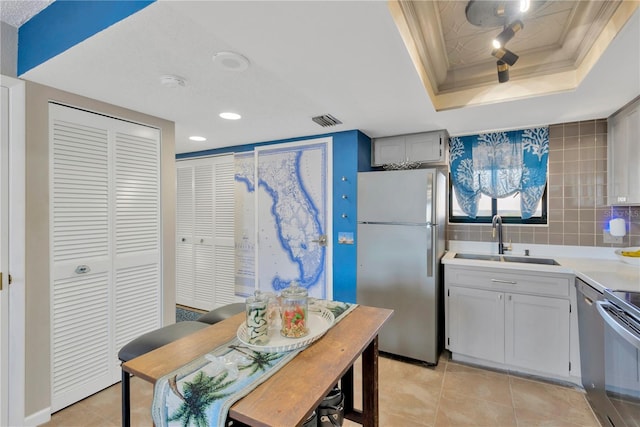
(430, 202)
(429, 251)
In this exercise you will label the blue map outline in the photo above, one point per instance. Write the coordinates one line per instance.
(306, 278)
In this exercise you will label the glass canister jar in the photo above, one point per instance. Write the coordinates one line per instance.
(257, 321)
(294, 309)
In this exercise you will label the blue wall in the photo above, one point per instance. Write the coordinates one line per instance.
(351, 154)
(65, 23)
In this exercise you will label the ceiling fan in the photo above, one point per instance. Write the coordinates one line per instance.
(505, 14)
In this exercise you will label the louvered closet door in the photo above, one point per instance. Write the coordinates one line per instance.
(194, 250)
(205, 248)
(136, 244)
(203, 256)
(184, 240)
(105, 246)
(80, 229)
(224, 243)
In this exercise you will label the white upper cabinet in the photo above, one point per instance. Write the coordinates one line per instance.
(623, 141)
(427, 147)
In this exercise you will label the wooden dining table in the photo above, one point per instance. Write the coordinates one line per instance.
(290, 395)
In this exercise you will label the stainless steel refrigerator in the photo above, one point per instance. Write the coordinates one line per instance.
(400, 241)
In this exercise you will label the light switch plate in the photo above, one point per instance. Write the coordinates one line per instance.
(608, 238)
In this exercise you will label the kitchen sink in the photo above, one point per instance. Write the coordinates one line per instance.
(529, 260)
(503, 258)
(479, 257)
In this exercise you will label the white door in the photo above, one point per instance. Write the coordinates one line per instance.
(105, 225)
(205, 232)
(476, 323)
(537, 333)
(4, 265)
(12, 254)
(293, 216)
(81, 277)
(388, 150)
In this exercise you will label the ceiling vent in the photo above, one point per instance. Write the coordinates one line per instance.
(326, 120)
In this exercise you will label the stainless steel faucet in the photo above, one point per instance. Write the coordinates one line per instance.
(496, 222)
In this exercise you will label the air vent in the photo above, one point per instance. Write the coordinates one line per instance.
(326, 120)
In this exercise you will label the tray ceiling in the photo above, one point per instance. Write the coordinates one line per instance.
(454, 56)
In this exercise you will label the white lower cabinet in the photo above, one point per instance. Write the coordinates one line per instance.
(537, 333)
(476, 323)
(514, 320)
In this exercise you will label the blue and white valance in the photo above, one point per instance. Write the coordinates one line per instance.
(498, 165)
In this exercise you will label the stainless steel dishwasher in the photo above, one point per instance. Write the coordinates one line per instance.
(592, 354)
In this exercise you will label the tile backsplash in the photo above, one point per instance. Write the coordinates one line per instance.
(577, 192)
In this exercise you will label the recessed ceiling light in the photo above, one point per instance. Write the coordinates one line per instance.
(230, 116)
(173, 81)
(231, 61)
(197, 138)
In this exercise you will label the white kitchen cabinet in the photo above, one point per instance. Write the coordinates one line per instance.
(476, 323)
(510, 319)
(537, 333)
(624, 156)
(426, 147)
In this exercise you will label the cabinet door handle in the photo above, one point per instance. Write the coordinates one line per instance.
(510, 282)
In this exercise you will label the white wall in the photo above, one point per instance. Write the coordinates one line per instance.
(8, 50)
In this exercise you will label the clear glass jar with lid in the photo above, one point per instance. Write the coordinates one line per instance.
(294, 308)
(256, 318)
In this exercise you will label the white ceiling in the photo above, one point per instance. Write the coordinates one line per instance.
(17, 12)
(307, 58)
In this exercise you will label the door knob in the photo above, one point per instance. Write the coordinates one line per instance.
(82, 269)
(322, 240)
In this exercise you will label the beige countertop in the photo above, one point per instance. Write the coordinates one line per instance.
(599, 271)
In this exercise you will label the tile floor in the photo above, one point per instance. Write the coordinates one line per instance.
(450, 394)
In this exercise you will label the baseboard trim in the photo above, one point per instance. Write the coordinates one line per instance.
(38, 418)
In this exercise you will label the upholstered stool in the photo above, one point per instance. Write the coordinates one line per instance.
(219, 314)
(146, 343)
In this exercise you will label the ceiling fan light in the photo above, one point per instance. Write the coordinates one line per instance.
(505, 55)
(503, 72)
(525, 5)
(508, 33)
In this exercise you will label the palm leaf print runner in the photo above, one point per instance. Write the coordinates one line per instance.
(201, 392)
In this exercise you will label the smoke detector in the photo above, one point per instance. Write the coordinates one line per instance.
(231, 61)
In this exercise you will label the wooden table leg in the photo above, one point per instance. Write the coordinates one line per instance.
(346, 384)
(370, 413)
